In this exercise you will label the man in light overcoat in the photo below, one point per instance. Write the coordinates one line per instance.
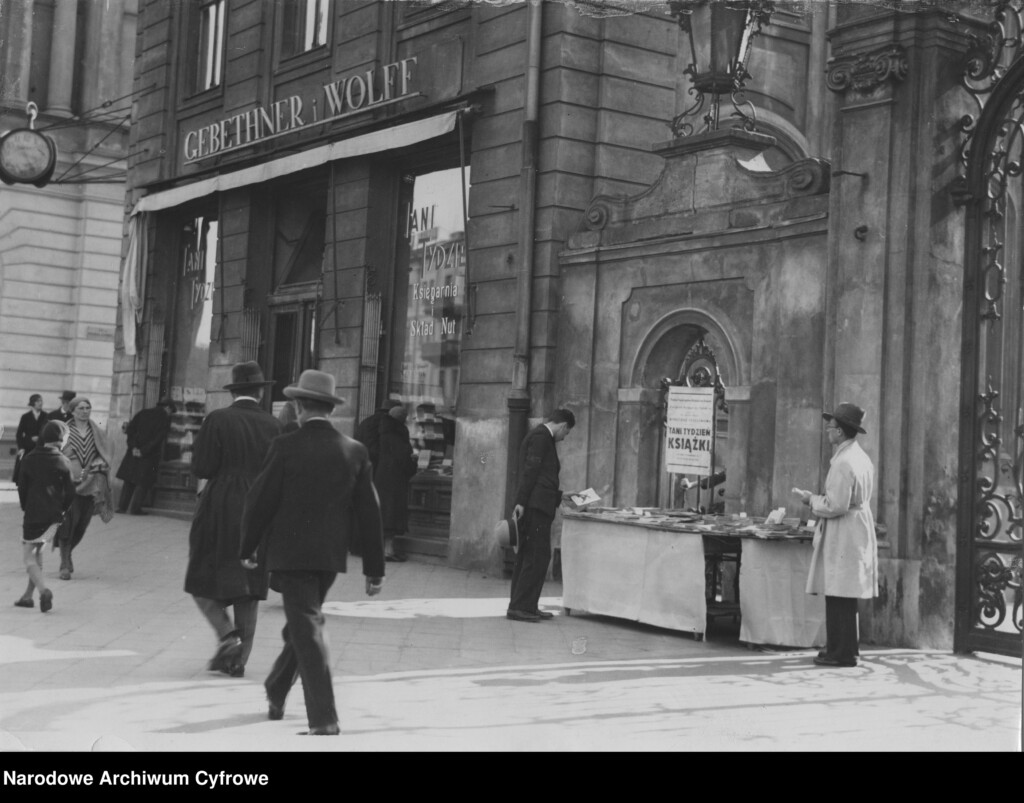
(844, 562)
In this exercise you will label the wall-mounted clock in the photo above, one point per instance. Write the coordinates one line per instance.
(27, 157)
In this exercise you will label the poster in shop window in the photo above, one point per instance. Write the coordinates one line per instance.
(689, 430)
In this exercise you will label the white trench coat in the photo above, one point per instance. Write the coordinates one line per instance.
(844, 562)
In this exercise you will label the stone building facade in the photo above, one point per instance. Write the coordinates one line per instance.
(480, 209)
(60, 244)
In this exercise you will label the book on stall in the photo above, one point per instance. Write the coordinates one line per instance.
(583, 498)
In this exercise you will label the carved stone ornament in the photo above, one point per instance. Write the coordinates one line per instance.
(864, 72)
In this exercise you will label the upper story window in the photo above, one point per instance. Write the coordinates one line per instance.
(207, 42)
(304, 25)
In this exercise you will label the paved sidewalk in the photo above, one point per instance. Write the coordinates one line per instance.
(432, 664)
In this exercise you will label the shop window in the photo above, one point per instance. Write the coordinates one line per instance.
(428, 325)
(303, 25)
(206, 45)
(188, 362)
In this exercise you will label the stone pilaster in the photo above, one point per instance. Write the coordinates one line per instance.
(895, 274)
(62, 59)
(17, 51)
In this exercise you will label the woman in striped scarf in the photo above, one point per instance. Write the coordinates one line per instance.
(89, 453)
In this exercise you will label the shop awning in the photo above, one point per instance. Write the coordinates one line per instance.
(387, 139)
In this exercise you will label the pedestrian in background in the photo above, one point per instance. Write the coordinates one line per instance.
(63, 413)
(537, 498)
(146, 433)
(29, 427)
(313, 497)
(394, 467)
(226, 456)
(45, 492)
(90, 455)
(844, 561)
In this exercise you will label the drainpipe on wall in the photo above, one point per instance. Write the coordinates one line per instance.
(519, 394)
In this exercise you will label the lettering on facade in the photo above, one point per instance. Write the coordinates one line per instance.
(440, 266)
(352, 95)
(193, 270)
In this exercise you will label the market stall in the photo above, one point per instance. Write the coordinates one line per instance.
(649, 565)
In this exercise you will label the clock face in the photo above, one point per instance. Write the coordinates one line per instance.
(26, 157)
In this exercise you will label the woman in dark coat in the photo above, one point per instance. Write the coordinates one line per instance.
(29, 427)
(392, 472)
(45, 492)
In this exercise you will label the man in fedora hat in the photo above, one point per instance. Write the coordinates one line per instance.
(314, 496)
(63, 413)
(844, 563)
(146, 433)
(226, 457)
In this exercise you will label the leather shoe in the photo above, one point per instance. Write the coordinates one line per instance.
(65, 574)
(521, 616)
(228, 650)
(24, 602)
(236, 671)
(827, 660)
(544, 614)
(274, 711)
(46, 600)
(324, 730)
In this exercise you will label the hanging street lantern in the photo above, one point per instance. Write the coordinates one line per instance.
(719, 33)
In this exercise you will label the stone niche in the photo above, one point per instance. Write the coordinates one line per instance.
(721, 258)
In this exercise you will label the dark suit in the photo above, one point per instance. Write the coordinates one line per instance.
(228, 451)
(27, 437)
(314, 496)
(146, 432)
(540, 496)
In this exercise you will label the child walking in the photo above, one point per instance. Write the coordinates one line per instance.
(45, 490)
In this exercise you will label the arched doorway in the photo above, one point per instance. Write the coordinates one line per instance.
(990, 518)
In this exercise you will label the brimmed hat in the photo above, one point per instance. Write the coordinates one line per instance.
(316, 385)
(849, 414)
(67, 395)
(77, 401)
(247, 375)
(507, 533)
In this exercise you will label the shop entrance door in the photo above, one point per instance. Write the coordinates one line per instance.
(990, 518)
(293, 345)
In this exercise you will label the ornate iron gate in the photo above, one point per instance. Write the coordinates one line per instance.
(991, 509)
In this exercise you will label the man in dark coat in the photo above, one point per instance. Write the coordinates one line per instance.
(63, 413)
(146, 433)
(227, 454)
(537, 499)
(386, 438)
(312, 498)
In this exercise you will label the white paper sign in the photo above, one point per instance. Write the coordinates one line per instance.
(689, 433)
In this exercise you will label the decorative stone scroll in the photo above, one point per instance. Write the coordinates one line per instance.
(865, 72)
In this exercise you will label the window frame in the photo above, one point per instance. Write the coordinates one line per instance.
(321, 13)
(205, 47)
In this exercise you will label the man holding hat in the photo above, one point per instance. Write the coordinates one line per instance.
(314, 496)
(146, 433)
(63, 413)
(226, 457)
(844, 563)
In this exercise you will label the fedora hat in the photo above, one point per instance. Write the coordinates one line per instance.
(67, 395)
(246, 375)
(849, 414)
(507, 533)
(316, 385)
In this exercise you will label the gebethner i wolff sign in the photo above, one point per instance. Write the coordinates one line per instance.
(689, 430)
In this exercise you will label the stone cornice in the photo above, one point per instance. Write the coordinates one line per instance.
(865, 72)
